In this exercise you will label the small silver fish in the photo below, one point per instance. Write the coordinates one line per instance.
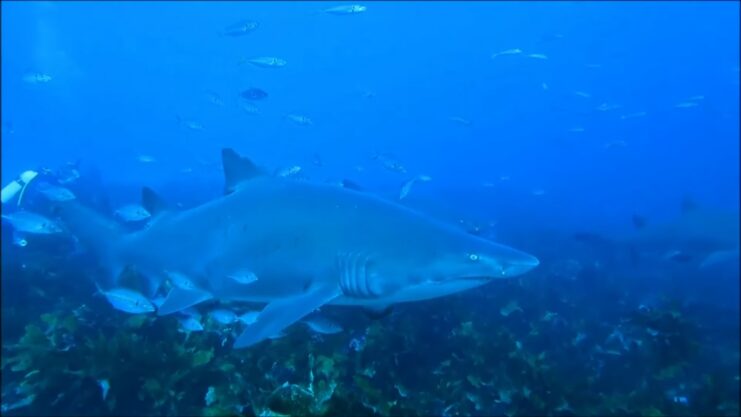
(408, 185)
(322, 325)
(214, 98)
(538, 192)
(180, 280)
(510, 308)
(223, 316)
(300, 119)
(618, 143)
(460, 120)
(128, 301)
(608, 106)
(240, 28)
(514, 51)
(633, 115)
(55, 193)
(290, 171)
(132, 213)
(686, 104)
(538, 56)
(268, 62)
(243, 277)
(68, 173)
(210, 396)
(249, 317)
(343, 10)
(190, 124)
(28, 222)
(390, 162)
(250, 108)
(104, 387)
(190, 324)
(24, 402)
(146, 159)
(36, 78)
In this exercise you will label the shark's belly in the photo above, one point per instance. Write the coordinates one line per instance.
(414, 293)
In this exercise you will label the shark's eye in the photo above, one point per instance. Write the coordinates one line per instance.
(473, 257)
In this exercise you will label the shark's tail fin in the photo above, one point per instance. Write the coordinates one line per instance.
(96, 233)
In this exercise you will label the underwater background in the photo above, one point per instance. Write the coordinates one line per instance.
(601, 137)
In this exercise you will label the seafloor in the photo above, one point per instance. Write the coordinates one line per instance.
(544, 344)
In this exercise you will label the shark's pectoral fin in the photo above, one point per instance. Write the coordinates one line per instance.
(719, 257)
(280, 314)
(179, 299)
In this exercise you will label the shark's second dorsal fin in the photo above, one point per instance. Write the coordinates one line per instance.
(237, 169)
(152, 202)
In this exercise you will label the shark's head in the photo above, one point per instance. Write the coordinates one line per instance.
(446, 263)
(471, 258)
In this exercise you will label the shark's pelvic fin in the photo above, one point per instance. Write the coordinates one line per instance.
(152, 202)
(179, 299)
(237, 169)
(280, 314)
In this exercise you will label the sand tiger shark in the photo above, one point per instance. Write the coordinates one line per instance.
(308, 245)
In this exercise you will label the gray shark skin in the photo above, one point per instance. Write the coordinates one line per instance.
(308, 245)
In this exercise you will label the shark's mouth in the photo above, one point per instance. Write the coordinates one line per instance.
(476, 278)
(462, 279)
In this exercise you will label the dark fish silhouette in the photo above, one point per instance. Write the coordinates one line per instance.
(254, 94)
(240, 28)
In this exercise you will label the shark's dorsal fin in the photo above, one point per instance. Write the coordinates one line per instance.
(152, 202)
(237, 169)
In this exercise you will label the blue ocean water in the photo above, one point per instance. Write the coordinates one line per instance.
(600, 137)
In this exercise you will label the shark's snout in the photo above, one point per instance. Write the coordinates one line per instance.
(521, 265)
(505, 262)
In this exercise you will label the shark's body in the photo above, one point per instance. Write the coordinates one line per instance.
(307, 244)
